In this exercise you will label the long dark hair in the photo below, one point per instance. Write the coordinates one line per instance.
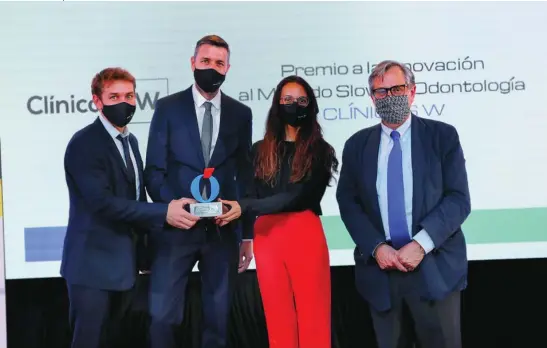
(310, 144)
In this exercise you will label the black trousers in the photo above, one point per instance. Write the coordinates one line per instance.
(217, 256)
(95, 317)
(430, 324)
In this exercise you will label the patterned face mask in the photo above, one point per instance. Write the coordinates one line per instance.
(393, 109)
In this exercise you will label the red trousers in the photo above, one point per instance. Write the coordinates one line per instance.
(293, 269)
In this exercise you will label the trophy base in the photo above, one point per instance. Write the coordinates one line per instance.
(212, 209)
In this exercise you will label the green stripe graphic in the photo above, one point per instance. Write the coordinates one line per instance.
(482, 227)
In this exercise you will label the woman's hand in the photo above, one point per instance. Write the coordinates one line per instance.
(229, 215)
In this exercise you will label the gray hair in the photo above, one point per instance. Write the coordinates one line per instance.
(382, 67)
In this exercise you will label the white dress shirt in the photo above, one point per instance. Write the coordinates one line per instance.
(199, 100)
(386, 144)
(114, 133)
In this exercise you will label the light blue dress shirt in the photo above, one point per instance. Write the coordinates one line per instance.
(386, 144)
(114, 133)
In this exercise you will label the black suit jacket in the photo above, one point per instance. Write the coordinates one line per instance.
(100, 243)
(175, 157)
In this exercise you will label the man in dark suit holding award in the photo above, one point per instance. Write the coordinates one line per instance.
(109, 214)
(191, 131)
(403, 196)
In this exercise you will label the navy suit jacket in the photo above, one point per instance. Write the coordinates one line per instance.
(174, 156)
(441, 203)
(100, 243)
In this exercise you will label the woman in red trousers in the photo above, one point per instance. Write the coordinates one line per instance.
(293, 166)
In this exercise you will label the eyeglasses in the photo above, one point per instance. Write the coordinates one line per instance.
(380, 93)
(289, 99)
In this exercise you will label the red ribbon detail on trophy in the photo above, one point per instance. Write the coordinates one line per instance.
(208, 172)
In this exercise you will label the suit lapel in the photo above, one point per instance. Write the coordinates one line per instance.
(191, 124)
(112, 148)
(370, 163)
(419, 167)
(219, 153)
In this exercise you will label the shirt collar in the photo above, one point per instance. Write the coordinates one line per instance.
(199, 99)
(111, 129)
(402, 129)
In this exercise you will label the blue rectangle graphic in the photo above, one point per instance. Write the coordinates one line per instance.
(44, 243)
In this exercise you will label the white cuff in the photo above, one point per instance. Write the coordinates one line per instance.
(425, 241)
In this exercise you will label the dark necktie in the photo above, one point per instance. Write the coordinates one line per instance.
(207, 138)
(398, 227)
(128, 164)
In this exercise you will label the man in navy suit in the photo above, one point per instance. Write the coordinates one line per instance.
(403, 196)
(108, 212)
(198, 128)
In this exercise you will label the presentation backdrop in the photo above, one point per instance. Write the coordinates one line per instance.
(3, 327)
(479, 67)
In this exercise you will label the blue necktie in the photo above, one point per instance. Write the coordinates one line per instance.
(398, 228)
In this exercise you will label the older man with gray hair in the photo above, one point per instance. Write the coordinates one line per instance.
(403, 196)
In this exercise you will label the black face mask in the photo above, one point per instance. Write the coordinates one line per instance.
(209, 80)
(119, 114)
(293, 114)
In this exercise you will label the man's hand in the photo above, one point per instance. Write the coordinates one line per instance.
(225, 210)
(245, 255)
(411, 255)
(388, 258)
(230, 215)
(178, 217)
